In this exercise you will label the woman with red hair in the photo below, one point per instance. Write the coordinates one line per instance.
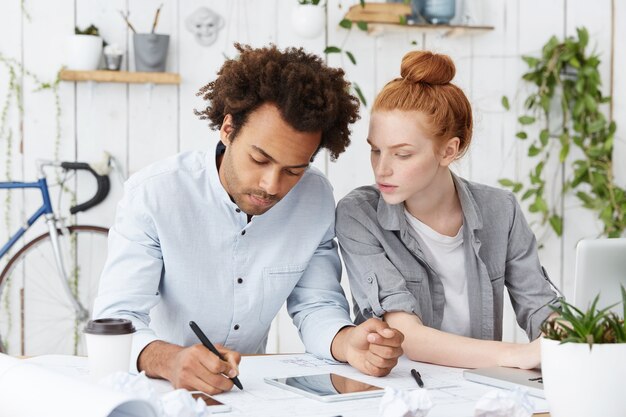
(430, 252)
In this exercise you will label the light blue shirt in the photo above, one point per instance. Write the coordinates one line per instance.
(181, 250)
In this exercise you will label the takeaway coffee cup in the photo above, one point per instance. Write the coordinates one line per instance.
(108, 346)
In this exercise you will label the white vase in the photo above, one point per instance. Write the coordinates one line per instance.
(583, 382)
(308, 20)
(83, 52)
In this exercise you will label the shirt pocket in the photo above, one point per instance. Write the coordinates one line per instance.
(278, 283)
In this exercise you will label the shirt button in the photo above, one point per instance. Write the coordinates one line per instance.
(239, 280)
(236, 327)
(243, 232)
(370, 279)
(238, 210)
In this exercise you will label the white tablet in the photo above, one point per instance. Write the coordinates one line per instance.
(327, 387)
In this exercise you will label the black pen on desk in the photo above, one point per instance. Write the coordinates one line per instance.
(207, 344)
(417, 377)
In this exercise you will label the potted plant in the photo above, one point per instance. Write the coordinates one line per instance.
(84, 49)
(565, 115)
(583, 361)
(308, 18)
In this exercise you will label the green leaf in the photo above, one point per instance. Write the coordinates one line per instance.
(557, 224)
(574, 62)
(402, 20)
(517, 187)
(359, 93)
(332, 50)
(522, 135)
(528, 194)
(531, 61)
(590, 103)
(505, 103)
(564, 152)
(578, 108)
(526, 120)
(587, 200)
(541, 205)
(506, 182)
(544, 135)
(362, 3)
(362, 25)
(533, 151)
(595, 126)
(346, 23)
(583, 37)
(351, 57)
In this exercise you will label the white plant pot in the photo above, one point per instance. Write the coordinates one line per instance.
(83, 52)
(583, 382)
(308, 20)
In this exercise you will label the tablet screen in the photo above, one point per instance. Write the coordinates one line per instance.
(327, 384)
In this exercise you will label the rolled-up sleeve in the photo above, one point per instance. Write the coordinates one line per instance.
(376, 284)
(531, 295)
(129, 285)
(317, 305)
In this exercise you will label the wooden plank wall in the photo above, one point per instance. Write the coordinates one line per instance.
(140, 124)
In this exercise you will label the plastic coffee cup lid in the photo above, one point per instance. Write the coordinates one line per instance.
(109, 326)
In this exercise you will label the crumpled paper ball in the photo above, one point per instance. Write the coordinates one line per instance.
(178, 403)
(398, 403)
(503, 403)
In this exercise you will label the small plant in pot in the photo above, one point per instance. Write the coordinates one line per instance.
(583, 361)
(308, 18)
(84, 49)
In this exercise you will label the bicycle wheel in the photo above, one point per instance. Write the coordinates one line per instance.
(36, 316)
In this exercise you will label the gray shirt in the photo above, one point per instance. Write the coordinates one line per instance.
(389, 272)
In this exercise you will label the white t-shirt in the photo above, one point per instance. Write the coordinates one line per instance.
(446, 256)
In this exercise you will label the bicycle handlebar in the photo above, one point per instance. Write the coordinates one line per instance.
(104, 185)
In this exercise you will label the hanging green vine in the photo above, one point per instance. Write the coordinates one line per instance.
(16, 74)
(566, 77)
(331, 49)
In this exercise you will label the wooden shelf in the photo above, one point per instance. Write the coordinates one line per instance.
(377, 29)
(382, 18)
(103, 76)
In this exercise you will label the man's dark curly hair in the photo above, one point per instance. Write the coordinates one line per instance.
(309, 95)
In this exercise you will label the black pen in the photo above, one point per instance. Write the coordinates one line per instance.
(417, 377)
(207, 344)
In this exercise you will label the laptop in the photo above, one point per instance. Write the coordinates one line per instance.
(508, 378)
(600, 269)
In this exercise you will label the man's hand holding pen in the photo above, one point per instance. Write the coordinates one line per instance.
(196, 368)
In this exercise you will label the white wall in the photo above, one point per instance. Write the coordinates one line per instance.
(140, 124)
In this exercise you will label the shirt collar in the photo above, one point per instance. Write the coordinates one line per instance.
(391, 216)
(214, 176)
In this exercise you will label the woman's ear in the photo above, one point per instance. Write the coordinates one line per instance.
(226, 129)
(450, 151)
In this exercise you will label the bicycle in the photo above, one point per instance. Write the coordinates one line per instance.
(38, 313)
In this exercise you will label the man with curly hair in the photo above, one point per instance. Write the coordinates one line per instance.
(225, 237)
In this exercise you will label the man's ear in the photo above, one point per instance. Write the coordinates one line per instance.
(450, 151)
(226, 130)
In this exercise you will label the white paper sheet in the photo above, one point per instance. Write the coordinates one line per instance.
(29, 390)
(451, 394)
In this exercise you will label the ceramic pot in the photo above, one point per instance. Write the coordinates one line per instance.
(150, 51)
(582, 382)
(84, 52)
(308, 20)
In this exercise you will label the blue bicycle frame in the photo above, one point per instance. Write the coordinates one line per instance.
(45, 209)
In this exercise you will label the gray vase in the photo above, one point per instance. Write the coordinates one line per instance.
(150, 51)
(438, 12)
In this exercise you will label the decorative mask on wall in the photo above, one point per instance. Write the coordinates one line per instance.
(204, 24)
